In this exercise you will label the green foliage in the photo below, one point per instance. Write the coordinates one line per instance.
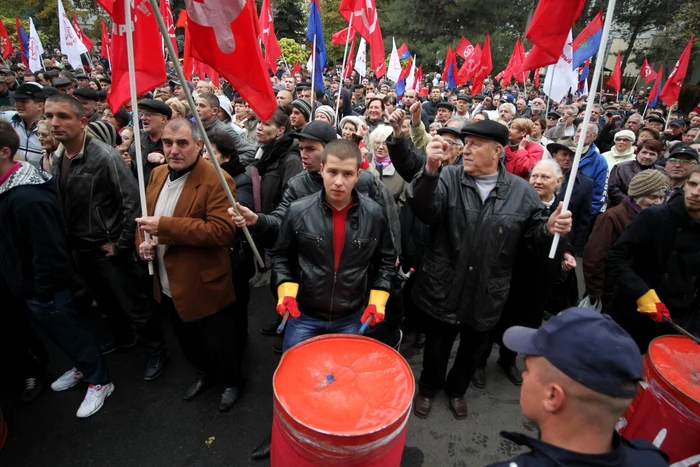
(293, 52)
(290, 19)
(9, 23)
(684, 22)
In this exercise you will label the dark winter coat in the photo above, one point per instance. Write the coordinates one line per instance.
(281, 160)
(619, 180)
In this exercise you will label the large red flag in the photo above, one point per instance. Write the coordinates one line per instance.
(537, 78)
(167, 13)
(191, 65)
(268, 36)
(647, 72)
(549, 30)
(224, 35)
(470, 65)
(515, 63)
(654, 93)
(149, 63)
(339, 38)
(366, 23)
(485, 67)
(106, 51)
(449, 60)
(672, 88)
(296, 68)
(464, 48)
(87, 42)
(615, 80)
(349, 61)
(6, 49)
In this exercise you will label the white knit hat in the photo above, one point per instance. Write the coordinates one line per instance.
(625, 134)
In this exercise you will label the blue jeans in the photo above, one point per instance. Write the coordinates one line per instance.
(304, 327)
(61, 322)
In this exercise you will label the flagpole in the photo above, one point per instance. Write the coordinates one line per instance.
(645, 108)
(41, 57)
(313, 77)
(633, 86)
(342, 70)
(135, 113)
(586, 119)
(207, 143)
(554, 69)
(8, 67)
(286, 65)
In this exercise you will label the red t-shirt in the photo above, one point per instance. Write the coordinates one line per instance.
(339, 223)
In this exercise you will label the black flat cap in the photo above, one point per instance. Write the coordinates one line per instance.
(682, 149)
(488, 129)
(654, 118)
(463, 97)
(304, 85)
(82, 76)
(453, 131)
(317, 131)
(6, 71)
(51, 74)
(479, 97)
(102, 94)
(87, 93)
(106, 79)
(553, 113)
(679, 122)
(29, 91)
(50, 91)
(447, 105)
(157, 106)
(62, 82)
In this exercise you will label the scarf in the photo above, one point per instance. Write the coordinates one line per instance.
(622, 155)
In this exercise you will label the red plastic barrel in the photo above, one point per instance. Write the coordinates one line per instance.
(666, 410)
(343, 400)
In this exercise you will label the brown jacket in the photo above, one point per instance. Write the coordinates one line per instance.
(609, 226)
(197, 236)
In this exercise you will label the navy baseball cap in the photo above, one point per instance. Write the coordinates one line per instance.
(587, 346)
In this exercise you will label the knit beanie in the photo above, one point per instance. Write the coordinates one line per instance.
(625, 134)
(105, 132)
(328, 111)
(304, 107)
(647, 182)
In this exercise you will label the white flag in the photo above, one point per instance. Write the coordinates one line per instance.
(361, 59)
(560, 77)
(35, 48)
(71, 45)
(410, 80)
(394, 70)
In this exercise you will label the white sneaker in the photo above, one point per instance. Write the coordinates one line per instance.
(94, 399)
(69, 379)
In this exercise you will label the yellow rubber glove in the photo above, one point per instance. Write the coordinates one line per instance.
(375, 307)
(651, 304)
(287, 299)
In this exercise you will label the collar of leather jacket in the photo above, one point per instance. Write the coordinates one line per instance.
(355, 200)
(502, 183)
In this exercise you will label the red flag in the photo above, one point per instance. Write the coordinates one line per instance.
(405, 71)
(296, 68)
(654, 93)
(22, 45)
(202, 70)
(485, 67)
(366, 23)
(419, 78)
(106, 51)
(672, 88)
(515, 63)
(449, 60)
(647, 72)
(6, 49)
(348, 63)
(224, 35)
(471, 65)
(87, 42)
(268, 37)
(537, 78)
(340, 37)
(464, 48)
(615, 80)
(148, 60)
(549, 30)
(167, 13)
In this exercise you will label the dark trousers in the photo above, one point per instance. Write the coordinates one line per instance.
(116, 284)
(505, 356)
(61, 322)
(439, 340)
(209, 343)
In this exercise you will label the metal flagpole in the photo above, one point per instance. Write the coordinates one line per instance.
(632, 91)
(8, 67)
(41, 57)
(207, 144)
(342, 70)
(645, 108)
(586, 119)
(135, 113)
(313, 78)
(286, 65)
(554, 68)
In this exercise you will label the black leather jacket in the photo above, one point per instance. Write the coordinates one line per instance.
(101, 201)
(304, 255)
(465, 277)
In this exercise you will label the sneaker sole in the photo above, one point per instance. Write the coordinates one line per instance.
(119, 347)
(97, 409)
(67, 387)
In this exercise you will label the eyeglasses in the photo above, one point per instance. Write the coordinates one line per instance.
(379, 145)
(624, 140)
(673, 160)
(459, 144)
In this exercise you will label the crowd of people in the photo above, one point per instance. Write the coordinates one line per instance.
(464, 189)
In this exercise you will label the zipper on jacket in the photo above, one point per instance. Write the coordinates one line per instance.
(104, 226)
(330, 311)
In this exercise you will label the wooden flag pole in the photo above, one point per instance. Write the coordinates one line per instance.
(200, 125)
(586, 119)
(313, 79)
(342, 70)
(135, 113)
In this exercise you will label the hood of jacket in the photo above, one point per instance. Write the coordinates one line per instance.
(27, 174)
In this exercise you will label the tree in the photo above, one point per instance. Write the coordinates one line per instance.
(293, 52)
(290, 18)
(674, 38)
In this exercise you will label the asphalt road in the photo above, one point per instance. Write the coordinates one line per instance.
(148, 424)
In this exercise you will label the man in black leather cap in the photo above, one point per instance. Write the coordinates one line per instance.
(581, 373)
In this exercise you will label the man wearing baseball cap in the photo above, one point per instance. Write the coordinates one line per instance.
(29, 102)
(581, 373)
(680, 160)
(479, 215)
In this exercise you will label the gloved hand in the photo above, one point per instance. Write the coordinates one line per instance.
(651, 304)
(375, 307)
(287, 299)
